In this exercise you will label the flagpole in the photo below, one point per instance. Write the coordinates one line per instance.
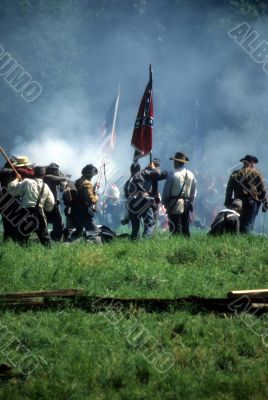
(114, 117)
(151, 80)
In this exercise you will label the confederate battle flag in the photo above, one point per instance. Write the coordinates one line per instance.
(142, 137)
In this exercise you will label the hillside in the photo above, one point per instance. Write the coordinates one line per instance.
(104, 355)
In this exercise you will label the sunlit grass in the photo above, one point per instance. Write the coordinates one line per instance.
(90, 356)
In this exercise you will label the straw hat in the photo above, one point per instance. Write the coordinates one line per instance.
(22, 161)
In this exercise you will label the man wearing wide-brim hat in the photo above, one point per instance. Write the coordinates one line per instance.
(179, 194)
(247, 184)
(36, 198)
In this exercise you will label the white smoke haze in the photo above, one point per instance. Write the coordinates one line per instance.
(71, 139)
(71, 156)
(50, 147)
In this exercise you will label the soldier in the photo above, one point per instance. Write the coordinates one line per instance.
(7, 175)
(154, 192)
(36, 197)
(227, 220)
(83, 209)
(69, 201)
(248, 185)
(54, 179)
(133, 169)
(139, 201)
(25, 170)
(178, 195)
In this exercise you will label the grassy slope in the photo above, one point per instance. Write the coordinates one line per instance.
(90, 356)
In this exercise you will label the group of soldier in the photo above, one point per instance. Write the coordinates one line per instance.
(31, 199)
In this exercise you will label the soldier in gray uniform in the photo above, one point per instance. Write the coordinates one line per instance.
(227, 220)
(139, 201)
(247, 184)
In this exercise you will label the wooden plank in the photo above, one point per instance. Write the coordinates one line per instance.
(55, 298)
(24, 302)
(27, 300)
(45, 293)
(260, 306)
(259, 293)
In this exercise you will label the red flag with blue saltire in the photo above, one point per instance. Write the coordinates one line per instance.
(107, 134)
(142, 138)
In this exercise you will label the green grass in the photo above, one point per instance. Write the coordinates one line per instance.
(104, 355)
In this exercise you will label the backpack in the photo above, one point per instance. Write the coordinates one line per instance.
(106, 233)
(70, 195)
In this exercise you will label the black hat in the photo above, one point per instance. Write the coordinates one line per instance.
(249, 158)
(89, 169)
(180, 157)
(53, 166)
(156, 162)
(53, 169)
(39, 172)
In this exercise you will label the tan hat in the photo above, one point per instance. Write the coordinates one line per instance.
(22, 161)
(180, 157)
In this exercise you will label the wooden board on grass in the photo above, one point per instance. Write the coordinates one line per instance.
(256, 293)
(45, 293)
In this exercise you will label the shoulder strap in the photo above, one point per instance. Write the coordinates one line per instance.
(129, 184)
(179, 195)
(186, 176)
(40, 195)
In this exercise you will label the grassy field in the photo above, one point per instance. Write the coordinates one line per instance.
(117, 354)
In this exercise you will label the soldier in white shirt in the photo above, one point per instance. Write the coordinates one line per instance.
(36, 197)
(178, 195)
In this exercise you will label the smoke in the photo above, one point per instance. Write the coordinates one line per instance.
(82, 51)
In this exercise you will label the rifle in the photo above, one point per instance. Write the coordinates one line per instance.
(10, 163)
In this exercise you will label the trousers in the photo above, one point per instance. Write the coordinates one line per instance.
(41, 229)
(81, 219)
(54, 217)
(180, 223)
(250, 209)
(140, 210)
